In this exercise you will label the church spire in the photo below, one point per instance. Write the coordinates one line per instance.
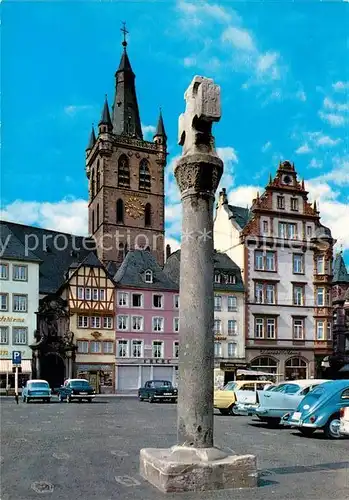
(92, 140)
(160, 128)
(105, 123)
(126, 120)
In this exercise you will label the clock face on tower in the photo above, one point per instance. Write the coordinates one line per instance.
(134, 207)
(287, 179)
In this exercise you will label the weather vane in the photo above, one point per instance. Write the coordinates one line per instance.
(125, 32)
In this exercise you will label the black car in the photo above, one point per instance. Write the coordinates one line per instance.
(158, 390)
(76, 389)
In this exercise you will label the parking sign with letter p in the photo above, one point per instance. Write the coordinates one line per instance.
(16, 357)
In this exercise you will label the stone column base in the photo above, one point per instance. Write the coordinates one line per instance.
(180, 469)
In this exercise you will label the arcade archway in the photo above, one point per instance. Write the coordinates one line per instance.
(52, 369)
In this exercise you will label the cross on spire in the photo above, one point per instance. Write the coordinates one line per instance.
(125, 32)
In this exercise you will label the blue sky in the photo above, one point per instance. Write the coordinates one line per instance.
(284, 85)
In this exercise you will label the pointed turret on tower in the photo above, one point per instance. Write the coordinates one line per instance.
(105, 123)
(160, 136)
(126, 119)
(92, 140)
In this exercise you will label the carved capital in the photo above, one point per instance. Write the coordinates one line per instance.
(198, 173)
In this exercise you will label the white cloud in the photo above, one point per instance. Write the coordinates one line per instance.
(314, 163)
(301, 95)
(189, 61)
(325, 140)
(333, 119)
(66, 215)
(340, 86)
(239, 38)
(266, 147)
(267, 63)
(148, 131)
(73, 109)
(228, 154)
(303, 149)
(330, 104)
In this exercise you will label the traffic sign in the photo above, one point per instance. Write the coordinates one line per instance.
(16, 358)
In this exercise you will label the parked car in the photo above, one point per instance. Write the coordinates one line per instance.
(225, 399)
(320, 409)
(76, 389)
(158, 390)
(246, 401)
(344, 421)
(36, 389)
(284, 398)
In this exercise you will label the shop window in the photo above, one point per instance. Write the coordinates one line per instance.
(295, 368)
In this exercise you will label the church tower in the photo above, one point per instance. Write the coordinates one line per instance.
(126, 176)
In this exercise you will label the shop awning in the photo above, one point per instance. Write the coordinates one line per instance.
(6, 366)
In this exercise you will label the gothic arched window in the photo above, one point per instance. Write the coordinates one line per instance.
(144, 175)
(122, 252)
(97, 216)
(93, 191)
(120, 211)
(123, 171)
(93, 221)
(147, 215)
(98, 178)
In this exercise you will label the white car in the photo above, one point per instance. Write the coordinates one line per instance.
(344, 421)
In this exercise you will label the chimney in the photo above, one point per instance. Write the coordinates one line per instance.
(223, 199)
(168, 251)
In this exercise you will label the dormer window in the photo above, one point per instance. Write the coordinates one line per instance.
(217, 278)
(294, 204)
(281, 202)
(148, 277)
(231, 279)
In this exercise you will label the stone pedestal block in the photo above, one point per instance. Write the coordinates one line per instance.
(181, 469)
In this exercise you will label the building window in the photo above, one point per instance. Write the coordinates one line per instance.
(3, 301)
(295, 369)
(231, 349)
(107, 322)
(265, 261)
(19, 273)
(294, 204)
(265, 227)
(232, 303)
(232, 326)
(217, 278)
(268, 365)
(271, 334)
(123, 299)
(122, 322)
(288, 230)
(176, 325)
(93, 221)
(148, 277)
(97, 215)
(82, 347)
(102, 294)
(144, 175)
(88, 293)
(298, 295)
(4, 334)
(320, 297)
(147, 215)
(217, 303)
(95, 322)
(329, 330)
(92, 186)
(309, 231)
(137, 300)
(158, 324)
(320, 330)
(82, 321)
(158, 301)
(270, 294)
(137, 323)
(98, 177)
(320, 265)
(259, 328)
(108, 347)
(176, 301)
(19, 335)
(137, 348)
(265, 293)
(281, 202)
(3, 271)
(298, 263)
(20, 303)
(217, 327)
(158, 349)
(120, 211)
(95, 347)
(298, 329)
(217, 349)
(292, 231)
(176, 349)
(95, 294)
(123, 172)
(80, 293)
(122, 348)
